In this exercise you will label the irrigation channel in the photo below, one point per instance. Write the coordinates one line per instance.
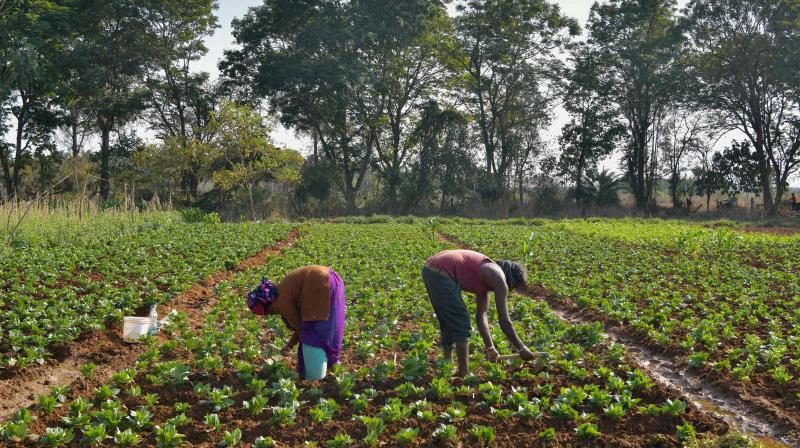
(742, 415)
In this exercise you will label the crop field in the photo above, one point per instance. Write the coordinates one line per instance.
(720, 301)
(63, 281)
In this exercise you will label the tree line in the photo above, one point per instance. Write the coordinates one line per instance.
(411, 106)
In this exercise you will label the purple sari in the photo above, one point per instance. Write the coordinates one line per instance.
(325, 334)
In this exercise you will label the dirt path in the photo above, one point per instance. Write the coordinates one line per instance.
(106, 348)
(745, 413)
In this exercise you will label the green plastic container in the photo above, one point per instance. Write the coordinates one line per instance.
(316, 362)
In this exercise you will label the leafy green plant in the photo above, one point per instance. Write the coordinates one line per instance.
(339, 441)
(168, 437)
(685, 432)
(587, 431)
(231, 438)
(48, 404)
(264, 442)
(394, 410)
(213, 422)
(673, 408)
(614, 411)
(375, 427)
(57, 436)
(455, 412)
(406, 436)
(87, 370)
(284, 415)
(483, 434)
(256, 405)
(323, 412)
(126, 438)
(94, 435)
(547, 435)
(445, 433)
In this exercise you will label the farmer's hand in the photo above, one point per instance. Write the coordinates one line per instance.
(526, 354)
(491, 354)
(290, 344)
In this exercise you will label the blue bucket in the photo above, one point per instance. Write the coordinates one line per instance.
(316, 362)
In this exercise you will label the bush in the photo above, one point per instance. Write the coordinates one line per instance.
(196, 215)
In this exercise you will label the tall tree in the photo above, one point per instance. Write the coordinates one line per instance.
(180, 101)
(640, 45)
(505, 55)
(404, 42)
(594, 130)
(306, 57)
(248, 155)
(746, 55)
(34, 35)
(682, 133)
(445, 158)
(109, 63)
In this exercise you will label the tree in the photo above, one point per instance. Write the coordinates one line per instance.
(603, 188)
(442, 139)
(305, 57)
(745, 62)
(180, 102)
(405, 40)
(109, 62)
(681, 134)
(594, 130)
(248, 155)
(504, 58)
(171, 161)
(640, 44)
(33, 35)
(737, 167)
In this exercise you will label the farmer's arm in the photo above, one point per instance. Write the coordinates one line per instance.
(294, 339)
(483, 324)
(492, 276)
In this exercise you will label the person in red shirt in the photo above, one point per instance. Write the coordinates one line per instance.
(449, 272)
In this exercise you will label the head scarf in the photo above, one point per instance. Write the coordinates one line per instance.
(512, 273)
(259, 299)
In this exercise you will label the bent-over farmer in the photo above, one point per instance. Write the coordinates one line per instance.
(449, 272)
(311, 301)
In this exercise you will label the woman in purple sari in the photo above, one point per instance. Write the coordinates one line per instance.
(311, 301)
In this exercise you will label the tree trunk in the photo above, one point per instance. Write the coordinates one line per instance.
(350, 197)
(74, 134)
(190, 183)
(673, 190)
(105, 150)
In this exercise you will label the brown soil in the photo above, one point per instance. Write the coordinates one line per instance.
(106, 348)
(774, 407)
(782, 231)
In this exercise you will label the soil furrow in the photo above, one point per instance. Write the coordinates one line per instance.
(108, 351)
(748, 414)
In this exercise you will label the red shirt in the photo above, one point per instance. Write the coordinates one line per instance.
(463, 266)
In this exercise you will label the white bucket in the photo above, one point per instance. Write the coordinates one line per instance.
(133, 328)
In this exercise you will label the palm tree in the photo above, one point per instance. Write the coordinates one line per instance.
(603, 188)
